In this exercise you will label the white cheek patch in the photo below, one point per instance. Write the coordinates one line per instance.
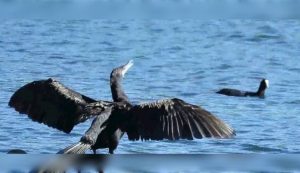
(267, 83)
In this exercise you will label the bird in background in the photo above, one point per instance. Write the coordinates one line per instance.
(264, 84)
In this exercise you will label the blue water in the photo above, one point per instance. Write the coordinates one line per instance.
(185, 59)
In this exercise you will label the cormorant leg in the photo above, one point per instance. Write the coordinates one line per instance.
(94, 151)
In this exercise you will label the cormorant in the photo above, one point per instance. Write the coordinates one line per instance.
(264, 84)
(16, 151)
(51, 103)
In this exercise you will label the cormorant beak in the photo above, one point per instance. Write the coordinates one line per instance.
(126, 67)
(267, 83)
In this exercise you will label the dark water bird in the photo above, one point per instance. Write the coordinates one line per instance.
(51, 103)
(264, 84)
(16, 151)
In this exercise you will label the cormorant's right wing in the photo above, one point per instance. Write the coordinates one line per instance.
(51, 103)
(173, 119)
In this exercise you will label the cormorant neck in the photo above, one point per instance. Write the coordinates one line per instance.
(116, 77)
(117, 91)
(261, 90)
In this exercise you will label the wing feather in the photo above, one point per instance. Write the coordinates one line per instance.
(51, 103)
(174, 119)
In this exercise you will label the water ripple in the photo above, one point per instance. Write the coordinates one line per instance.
(256, 148)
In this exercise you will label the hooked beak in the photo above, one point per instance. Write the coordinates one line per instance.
(126, 67)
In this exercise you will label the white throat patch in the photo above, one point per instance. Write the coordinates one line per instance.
(267, 83)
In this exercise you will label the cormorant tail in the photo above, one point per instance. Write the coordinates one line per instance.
(78, 148)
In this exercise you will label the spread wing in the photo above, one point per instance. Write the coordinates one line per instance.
(173, 119)
(51, 103)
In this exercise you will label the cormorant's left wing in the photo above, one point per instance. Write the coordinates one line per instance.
(173, 119)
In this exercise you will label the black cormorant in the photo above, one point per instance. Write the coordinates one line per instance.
(264, 84)
(16, 151)
(51, 103)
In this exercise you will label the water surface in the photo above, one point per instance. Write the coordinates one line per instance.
(187, 59)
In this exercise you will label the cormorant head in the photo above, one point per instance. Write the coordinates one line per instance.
(119, 72)
(264, 84)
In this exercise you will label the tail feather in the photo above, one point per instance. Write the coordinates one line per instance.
(78, 148)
